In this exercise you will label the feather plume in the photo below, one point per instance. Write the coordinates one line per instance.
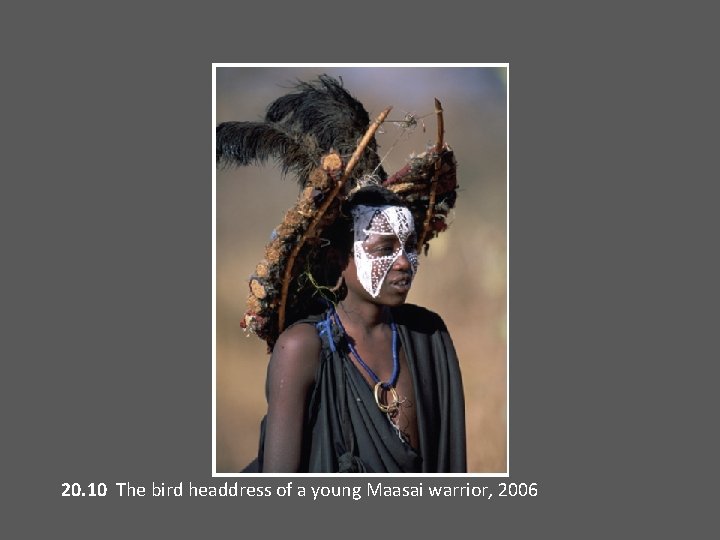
(254, 143)
(299, 128)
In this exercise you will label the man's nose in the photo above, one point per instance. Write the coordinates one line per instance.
(402, 262)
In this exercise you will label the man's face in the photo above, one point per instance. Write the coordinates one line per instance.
(385, 249)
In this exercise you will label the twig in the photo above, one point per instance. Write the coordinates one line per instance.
(436, 174)
(321, 212)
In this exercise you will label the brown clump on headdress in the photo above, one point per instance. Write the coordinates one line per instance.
(413, 183)
(261, 270)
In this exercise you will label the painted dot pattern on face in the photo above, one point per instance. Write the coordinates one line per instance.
(393, 221)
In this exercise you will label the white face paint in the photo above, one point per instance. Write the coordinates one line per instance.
(395, 221)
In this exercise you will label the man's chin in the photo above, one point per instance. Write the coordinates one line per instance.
(393, 297)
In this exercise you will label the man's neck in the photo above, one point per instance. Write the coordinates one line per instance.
(363, 316)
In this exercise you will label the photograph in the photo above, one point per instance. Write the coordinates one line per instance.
(360, 256)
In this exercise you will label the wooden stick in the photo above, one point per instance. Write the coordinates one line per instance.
(321, 212)
(436, 174)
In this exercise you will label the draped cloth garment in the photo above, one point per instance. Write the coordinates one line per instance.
(345, 431)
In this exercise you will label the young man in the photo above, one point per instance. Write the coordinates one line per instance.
(358, 381)
(372, 384)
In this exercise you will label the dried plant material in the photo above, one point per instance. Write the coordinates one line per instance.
(319, 179)
(406, 187)
(332, 163)
(253, 304)
(262, 270)
(306, 206)
(273, 250)
(258, 289)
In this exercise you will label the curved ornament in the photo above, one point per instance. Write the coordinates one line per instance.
(391, 407)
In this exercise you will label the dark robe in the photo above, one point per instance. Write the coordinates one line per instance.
(345, 431)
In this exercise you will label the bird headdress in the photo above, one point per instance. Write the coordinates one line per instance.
(323, 136)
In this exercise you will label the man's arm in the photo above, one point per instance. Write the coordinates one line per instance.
(291, 374)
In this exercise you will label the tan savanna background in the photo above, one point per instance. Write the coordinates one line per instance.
(464, 277)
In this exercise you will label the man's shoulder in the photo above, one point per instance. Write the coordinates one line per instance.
(300, 335)
(296, 355)
(418, 318)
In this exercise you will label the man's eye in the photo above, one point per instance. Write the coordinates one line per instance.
(383, 250)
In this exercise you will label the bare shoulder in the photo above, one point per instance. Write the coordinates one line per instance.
(291, 375)
(298, 340)
(296, 355)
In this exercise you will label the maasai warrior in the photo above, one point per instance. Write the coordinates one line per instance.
(358, 380)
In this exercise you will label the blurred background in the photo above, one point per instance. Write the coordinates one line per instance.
(463, 278)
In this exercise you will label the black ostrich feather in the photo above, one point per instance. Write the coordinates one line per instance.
(253, 143)
(299, 129)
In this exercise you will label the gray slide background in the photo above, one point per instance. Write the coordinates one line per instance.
(106, 290)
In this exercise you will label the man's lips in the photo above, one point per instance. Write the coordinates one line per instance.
(402, 282)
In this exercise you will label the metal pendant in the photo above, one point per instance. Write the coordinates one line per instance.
(390, 408)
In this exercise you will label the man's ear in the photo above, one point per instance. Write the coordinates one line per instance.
(337, 259)
(329, 265)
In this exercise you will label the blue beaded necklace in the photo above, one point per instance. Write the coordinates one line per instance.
(389, 385)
